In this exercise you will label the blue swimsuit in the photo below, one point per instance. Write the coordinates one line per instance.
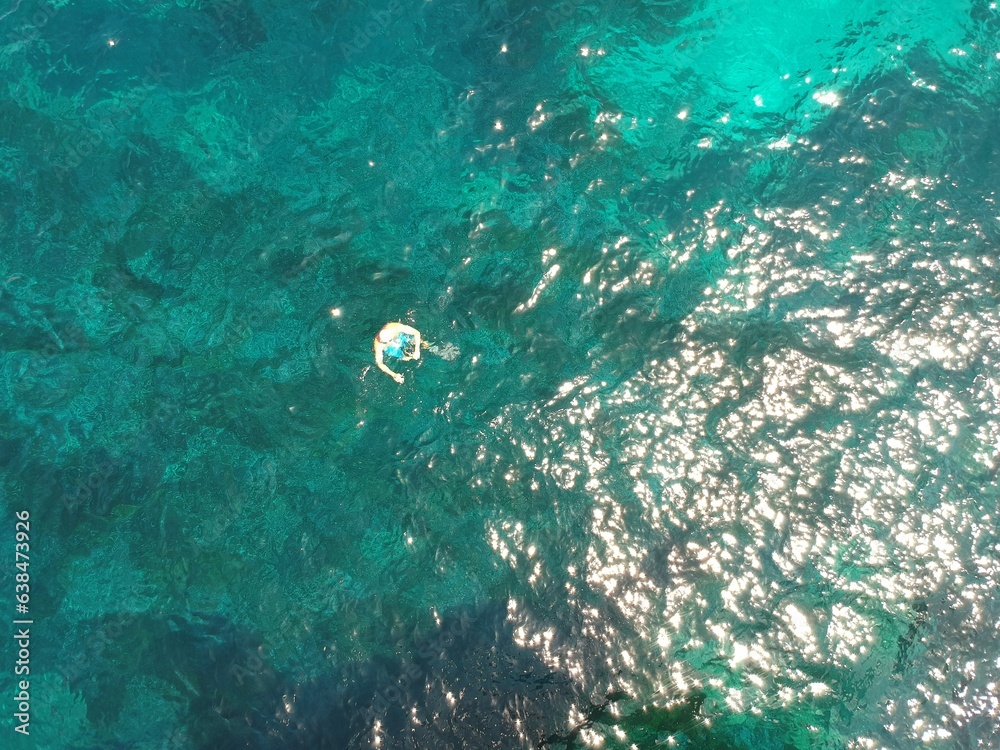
(399, 344)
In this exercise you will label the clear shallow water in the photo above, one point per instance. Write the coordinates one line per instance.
(715, 465)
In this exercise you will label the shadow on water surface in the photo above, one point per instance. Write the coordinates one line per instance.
(466, 684)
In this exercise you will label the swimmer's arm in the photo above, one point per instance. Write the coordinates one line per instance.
(382, 365)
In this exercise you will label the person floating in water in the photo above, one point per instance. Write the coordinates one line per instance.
(398, 341)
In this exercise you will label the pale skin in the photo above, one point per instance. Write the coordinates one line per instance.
(386, 337)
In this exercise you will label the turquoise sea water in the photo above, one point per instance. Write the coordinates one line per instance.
(704, 456)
